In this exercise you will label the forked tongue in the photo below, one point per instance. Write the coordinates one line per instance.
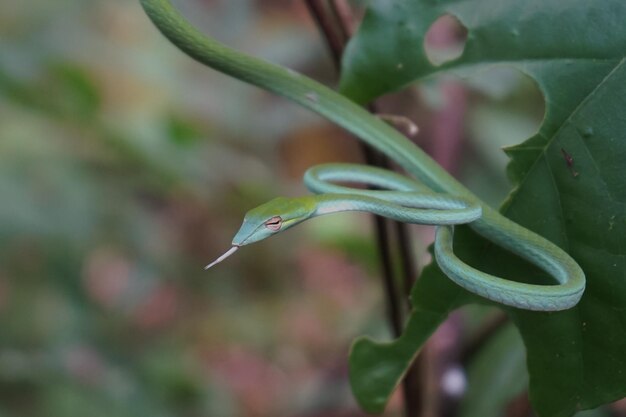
(221, 258)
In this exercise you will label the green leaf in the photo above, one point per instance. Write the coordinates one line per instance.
(388, 51)
(181, 131)
(75, 87)
(575, 52)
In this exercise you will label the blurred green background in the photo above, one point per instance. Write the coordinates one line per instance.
(125, 168)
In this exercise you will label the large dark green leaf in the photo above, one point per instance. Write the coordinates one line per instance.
(575, 51)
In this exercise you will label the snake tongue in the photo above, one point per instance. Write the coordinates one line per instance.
(221, 258)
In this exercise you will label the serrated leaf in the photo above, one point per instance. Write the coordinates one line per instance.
(571, 184)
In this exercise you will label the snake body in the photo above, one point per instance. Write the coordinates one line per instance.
(435, 198)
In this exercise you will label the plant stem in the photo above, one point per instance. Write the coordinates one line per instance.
(334, 22)
(330, 28)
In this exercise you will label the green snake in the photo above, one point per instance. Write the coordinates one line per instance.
(434, 197)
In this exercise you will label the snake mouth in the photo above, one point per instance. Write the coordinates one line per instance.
(239, 241)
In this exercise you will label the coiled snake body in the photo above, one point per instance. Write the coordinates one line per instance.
(436, 198)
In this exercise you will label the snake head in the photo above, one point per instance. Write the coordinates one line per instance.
(268, 219)
(273, 217)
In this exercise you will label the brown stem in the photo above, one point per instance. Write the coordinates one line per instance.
(412, 385)
(334, 36)
(409, 265)
(342, 13)
(336, 40)
(334, 22)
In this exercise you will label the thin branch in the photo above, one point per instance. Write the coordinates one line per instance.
(409, 265)
(342, 13)
(336, 40)
(336, 27)
(394, 306)
(334, 37)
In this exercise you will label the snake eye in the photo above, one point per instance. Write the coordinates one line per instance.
(274, 223)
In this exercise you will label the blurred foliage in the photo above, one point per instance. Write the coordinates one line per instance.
(125, 168)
